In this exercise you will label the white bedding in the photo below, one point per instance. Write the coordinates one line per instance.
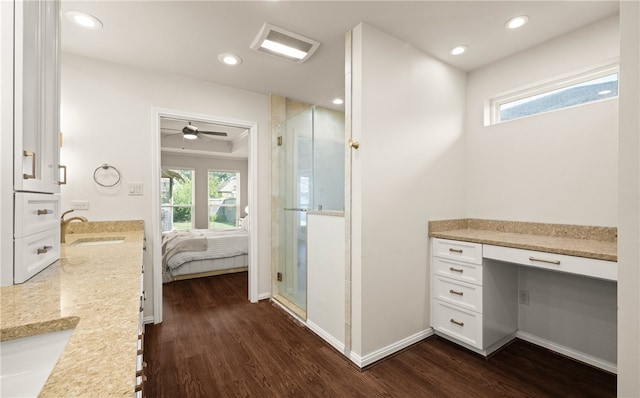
(221, 243)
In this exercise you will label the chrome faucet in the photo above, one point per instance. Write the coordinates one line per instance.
(64, 223)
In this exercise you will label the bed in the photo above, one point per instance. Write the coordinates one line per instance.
(204, 252)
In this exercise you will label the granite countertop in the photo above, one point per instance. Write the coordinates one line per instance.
(573, 240)
(96, 290)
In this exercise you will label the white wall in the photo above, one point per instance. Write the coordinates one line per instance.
(202, 165)
(325, 275)
(629, 210)
(107, 118)
(558, 167)
(409, 170)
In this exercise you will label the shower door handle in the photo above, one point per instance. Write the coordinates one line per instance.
(294, 209)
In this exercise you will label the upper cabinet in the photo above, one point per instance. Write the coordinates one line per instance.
(37, 96)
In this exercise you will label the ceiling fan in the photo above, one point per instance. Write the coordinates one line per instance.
(190, 132)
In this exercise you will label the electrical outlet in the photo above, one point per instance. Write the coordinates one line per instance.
(80, 204)
(523, 297)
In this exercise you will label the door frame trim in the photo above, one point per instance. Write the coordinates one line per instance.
(252, 195)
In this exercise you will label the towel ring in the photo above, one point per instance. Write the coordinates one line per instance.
(105, 167)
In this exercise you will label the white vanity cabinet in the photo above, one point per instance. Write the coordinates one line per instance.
(36, 96)
(30, 65)
(473, 303)
(141, 365)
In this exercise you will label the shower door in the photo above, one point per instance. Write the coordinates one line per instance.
(295, 198)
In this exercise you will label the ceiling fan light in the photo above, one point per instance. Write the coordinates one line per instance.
(190, 135)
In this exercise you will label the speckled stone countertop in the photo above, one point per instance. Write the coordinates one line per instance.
(573, 240)
(96, 290)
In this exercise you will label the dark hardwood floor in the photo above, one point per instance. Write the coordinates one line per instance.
(214, 343)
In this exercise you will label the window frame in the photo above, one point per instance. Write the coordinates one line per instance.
(492, 105)
(172, 205)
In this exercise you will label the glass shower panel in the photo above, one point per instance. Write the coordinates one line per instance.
(296, 180)
(328, 159)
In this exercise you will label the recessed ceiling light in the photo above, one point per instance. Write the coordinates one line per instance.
(337, 101)
(229, 59)
(516, 22)
(282, 43)
(83, 19)
(457, 50)
(604, 92)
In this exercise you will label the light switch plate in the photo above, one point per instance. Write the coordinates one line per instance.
(80, 204)
(135, 188)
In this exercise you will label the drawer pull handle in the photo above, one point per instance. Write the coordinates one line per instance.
(456, 292)
(456, 322)
(460, 270)
(33, 164)
(44, 212)
(556, 262)
(44, 249)
(456, 250)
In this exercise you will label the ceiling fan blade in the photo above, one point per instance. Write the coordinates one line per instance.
(166, 128)
(171, 135)
(221, 134)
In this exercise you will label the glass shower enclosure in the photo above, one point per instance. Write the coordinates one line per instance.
(311, 154)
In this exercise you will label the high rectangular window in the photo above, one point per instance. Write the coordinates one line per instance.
(582, 88)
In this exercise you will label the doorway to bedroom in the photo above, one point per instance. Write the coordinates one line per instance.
(202, 199)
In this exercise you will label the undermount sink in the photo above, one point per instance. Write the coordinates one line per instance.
(111, 240)
(27, 362)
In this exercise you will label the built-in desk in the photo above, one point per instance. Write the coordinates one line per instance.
(475, 278)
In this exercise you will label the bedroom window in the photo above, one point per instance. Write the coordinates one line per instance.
(176, 199)
(577, 89)
(223, 199)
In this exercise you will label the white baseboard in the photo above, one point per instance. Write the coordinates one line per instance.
(390, 349)
(264, 296)
(334, 342)
(570, 352)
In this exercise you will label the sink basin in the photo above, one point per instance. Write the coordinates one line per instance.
(27, 362)
(111, 240)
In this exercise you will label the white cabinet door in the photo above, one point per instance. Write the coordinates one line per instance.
(36, 96)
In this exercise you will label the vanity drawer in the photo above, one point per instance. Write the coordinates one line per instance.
(462, 294)
(458, 270)
(460, 324)
(36, 212)
(35, 253)
(457, 250)
(556, 262)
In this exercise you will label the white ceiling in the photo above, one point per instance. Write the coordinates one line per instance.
(186, 37)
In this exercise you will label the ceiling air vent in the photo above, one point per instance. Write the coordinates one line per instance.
(284, 44)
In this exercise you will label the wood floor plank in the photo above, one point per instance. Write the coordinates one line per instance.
(214, 343)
